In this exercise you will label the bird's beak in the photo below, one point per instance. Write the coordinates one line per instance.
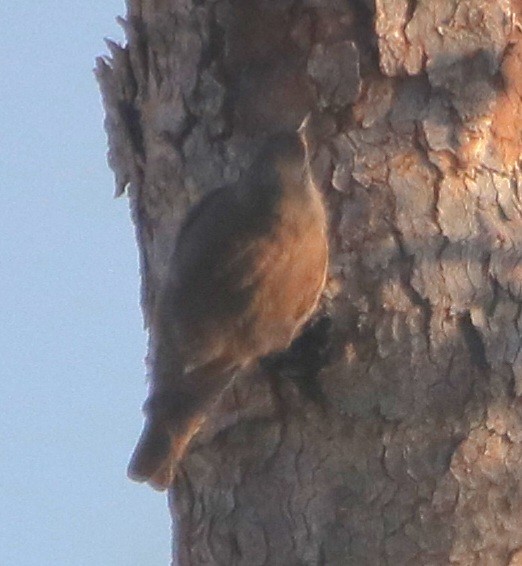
(304, 126)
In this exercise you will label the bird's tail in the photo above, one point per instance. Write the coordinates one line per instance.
(173, 417)
(159, 450)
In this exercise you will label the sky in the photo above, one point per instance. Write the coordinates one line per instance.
(71, 340)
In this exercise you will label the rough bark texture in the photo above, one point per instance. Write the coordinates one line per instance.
(417, 457)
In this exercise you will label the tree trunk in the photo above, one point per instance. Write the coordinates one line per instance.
(415, 457)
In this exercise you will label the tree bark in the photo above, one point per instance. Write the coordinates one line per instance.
(415, 458)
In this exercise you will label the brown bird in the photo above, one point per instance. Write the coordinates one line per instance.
(247, 272)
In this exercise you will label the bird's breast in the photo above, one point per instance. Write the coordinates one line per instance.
(288, 273)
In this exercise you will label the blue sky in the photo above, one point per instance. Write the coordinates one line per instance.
(71, 344)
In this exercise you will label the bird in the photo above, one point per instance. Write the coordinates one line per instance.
(248, 268)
